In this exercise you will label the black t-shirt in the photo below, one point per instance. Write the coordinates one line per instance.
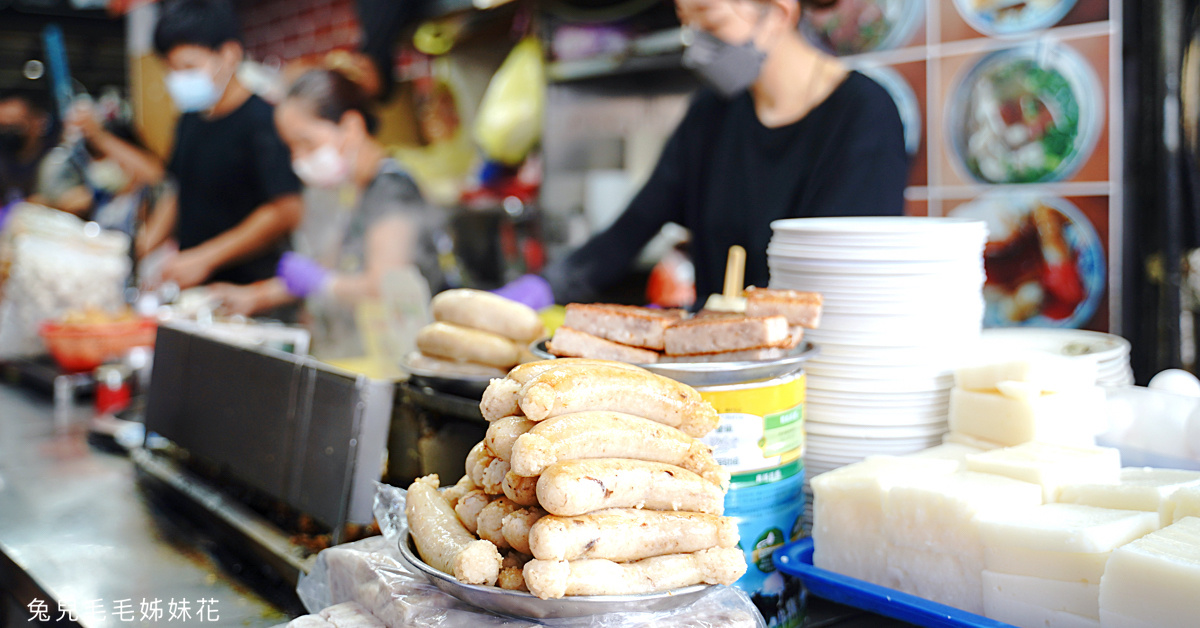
(726, 177)
(226, 168)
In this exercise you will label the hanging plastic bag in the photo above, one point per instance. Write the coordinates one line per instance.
(509, 122)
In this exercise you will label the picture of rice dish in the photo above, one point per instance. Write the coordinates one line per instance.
(1044, 261)
(858, 26)
(1006, 17)
(1026, 116)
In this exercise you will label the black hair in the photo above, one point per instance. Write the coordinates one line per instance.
(329, 95)
(207, 23)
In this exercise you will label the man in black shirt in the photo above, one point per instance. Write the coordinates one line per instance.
(784, 131)
(238, 197)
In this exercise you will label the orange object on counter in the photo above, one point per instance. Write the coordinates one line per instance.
(83, 347)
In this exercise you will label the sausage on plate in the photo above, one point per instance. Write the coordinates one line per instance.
(611, 435)
(502, 397)
(605, 387)
(442, 540)
(554, 579)
(577, 487)
(624, 534)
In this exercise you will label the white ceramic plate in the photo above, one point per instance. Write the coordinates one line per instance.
(815, 428)
(1071, 342)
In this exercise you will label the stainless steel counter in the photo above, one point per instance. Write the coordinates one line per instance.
(74, 528)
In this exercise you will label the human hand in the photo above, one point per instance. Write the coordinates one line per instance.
(188, 269)
(82, 117)
(235, 300)
(302, 275)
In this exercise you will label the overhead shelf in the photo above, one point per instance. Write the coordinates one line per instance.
(662, 50)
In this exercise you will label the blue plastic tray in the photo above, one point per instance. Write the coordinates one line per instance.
(796, 559)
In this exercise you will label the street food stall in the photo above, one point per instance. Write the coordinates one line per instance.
(909, 420)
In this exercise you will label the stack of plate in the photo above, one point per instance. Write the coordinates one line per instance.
(1110, 352)
(903, 297)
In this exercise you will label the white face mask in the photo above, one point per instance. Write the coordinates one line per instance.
(192, 90)
(195, 89)
(322, 168)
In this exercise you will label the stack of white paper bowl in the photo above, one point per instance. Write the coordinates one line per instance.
(903, 297)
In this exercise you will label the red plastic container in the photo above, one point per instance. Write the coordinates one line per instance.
(83, 347)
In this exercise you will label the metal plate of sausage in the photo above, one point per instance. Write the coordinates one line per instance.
(701, 374)
(526, 606)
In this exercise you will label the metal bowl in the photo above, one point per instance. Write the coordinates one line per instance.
(526, 606)
(701, 374)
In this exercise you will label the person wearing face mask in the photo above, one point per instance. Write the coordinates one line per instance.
(384, 222)
(237, 199)
(782, 130)
(25, 138)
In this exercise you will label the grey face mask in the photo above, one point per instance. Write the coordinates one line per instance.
(726, 67)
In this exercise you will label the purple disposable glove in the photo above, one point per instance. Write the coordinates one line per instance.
(303, 276)
(531, 290)
(5, 210)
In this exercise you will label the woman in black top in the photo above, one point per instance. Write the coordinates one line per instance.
(784, 131)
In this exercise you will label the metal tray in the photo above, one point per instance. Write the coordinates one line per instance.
(796, 559)
(526, 606)
(469, 386)
(719, 373)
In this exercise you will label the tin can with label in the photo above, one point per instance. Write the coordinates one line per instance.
(760, 440)
(768, 506)
(762, 422)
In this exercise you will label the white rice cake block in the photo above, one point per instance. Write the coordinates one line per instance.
(957, 438)
(1139, 488)
(948, 451)
(1077, 598)
(1184, 502)
(1046, 372)
(848, 515)
(939, 513)
(1065, 566)
(1155, 580)
(948, 579)
(1068, 418)
(1049, 465)
(1031, 616)
(1065, 528)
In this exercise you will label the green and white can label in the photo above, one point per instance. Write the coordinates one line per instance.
(761, 425)
(768, 507)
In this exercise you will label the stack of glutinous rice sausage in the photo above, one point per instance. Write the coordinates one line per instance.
(476, 333)
(591, 480)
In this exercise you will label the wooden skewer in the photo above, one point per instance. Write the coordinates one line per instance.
(735, 272)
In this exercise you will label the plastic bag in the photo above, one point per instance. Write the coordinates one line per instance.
(372, 573)
(52, 263)
(509, 121)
